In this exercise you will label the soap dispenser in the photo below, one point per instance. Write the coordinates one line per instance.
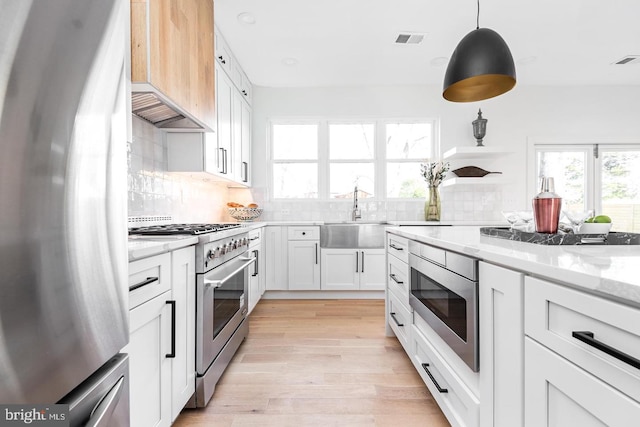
(546, 207)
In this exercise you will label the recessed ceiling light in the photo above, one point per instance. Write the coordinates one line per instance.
(290, 62)
(246, 18)
(439, 61)
(527, 60)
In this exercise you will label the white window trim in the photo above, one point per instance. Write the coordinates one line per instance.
(593, 196)
(379, 160)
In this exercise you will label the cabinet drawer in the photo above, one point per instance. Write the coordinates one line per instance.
(458, 402)
(398, 279)
(304, 232)
(148, 278)
(399, 320)
(560, 318)
(398, 247)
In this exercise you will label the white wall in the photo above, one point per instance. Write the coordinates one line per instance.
(525, 112)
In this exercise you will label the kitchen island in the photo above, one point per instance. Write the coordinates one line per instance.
(558, 328)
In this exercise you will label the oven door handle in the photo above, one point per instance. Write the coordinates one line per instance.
(218, 283)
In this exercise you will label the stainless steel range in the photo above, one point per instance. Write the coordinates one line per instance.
(222, 277)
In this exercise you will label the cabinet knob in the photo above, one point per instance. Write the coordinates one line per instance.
(304, 233)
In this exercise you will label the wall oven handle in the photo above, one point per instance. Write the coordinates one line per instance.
(219, 283)
(147, 281)
(393, 316)
(172, 355)
(425, 366)
(588, 338)
(395, 279)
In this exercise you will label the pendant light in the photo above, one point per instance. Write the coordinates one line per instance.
(481, 67)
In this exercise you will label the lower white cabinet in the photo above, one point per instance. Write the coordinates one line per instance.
(304, 265)
(277, 278)
(558, 394)
(149, 367)
(352, 269)
(256, 275)
(162, 346)
(501, 346)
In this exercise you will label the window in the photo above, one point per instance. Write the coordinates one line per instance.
(407, 145)
(295, 160)
(351, 160)
(326, 159)
(601, 177)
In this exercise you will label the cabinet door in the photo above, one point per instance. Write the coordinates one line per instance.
(277, 278)
(183, 288)
(245, 155)
(304, 268)
(501, 351)
(559, 394)
(340, 269)
(372, 269)
(235, 169)
(150, 369)
(224, 107)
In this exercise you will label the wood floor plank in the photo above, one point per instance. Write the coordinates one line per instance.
(318, 363)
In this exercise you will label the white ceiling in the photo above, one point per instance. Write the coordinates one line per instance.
(351, 42)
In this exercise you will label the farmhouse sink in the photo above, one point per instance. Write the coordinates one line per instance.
(350, 234)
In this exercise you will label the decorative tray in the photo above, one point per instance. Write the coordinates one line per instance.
(612, 238)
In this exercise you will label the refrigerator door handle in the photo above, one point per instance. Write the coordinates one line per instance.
(101, 414)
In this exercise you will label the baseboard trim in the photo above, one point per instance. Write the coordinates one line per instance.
(323, 295)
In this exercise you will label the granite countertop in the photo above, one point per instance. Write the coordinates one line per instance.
(146, 246)
(609, 271)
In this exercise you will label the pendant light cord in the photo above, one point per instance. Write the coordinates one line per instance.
(478, 17)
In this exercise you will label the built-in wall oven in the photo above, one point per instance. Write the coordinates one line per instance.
(444, 292)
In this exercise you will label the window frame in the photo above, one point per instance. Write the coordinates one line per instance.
(593, 196)
(379, 161)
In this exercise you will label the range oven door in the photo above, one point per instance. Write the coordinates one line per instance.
(448, 302)
(221, 301)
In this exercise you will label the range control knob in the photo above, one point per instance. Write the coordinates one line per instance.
(224, 249)
(245, 242)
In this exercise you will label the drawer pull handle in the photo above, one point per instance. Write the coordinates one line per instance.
(425, 366)
(397, 248)
(147, 281)
(587, 338)
(393, 277)
(393, 316)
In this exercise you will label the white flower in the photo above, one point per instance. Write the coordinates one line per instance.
(434, 172)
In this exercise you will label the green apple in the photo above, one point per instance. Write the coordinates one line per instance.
(589, 220)
(602, 219)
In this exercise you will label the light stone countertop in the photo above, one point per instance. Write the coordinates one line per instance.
(146, 246)
(609, 271)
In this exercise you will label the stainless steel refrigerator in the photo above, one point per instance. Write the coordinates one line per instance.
(63, 231)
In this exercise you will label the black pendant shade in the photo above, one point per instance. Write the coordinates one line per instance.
(481, 67)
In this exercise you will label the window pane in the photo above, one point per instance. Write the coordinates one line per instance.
(351, 141)
(295, 142)
(621, 189)
(295, 180)
(404, 180)
(409, 140)
(568, 169)
(345, 176)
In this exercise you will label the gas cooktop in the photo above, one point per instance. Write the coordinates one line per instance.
(171, 229)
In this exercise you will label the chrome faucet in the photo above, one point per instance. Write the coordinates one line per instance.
(355, 212)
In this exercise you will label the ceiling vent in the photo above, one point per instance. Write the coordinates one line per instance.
(628, 60)
(409, 38)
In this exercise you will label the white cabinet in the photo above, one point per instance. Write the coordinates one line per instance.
(150, 369)
(304, 258)
(277, 278)
(240, 159)
(398, 290)
(585, 360)
(352, 269)
(162, 338)
(183, 288)
(224, 109)
(256, 276)
(501, 346)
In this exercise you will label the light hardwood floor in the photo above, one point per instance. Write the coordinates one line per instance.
(318, 363)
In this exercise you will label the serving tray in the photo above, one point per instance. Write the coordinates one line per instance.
(612, 238)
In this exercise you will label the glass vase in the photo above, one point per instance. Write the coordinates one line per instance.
(432, 205)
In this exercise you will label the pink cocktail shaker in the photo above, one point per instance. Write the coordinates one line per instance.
(546, 208)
